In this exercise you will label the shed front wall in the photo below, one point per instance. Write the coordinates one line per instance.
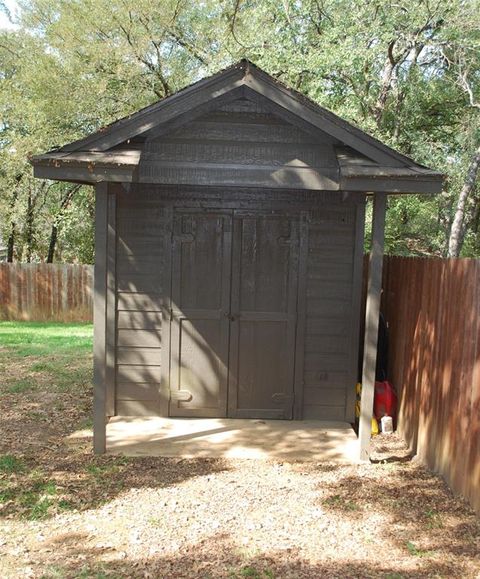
(326, 308)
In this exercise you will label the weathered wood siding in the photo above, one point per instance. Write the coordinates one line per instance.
(241, 143)
(332, 314)
(327, 295)
(140, 290)
(433, 310)
(44, 291)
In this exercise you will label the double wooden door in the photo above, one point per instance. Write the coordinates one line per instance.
(233, 314)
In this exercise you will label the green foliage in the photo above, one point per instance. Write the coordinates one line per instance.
(416, 552)
(10, 464)
(405, 72)
(19, 386)
(340, 503)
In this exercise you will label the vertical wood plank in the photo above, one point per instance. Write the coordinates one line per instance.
(357, 281)
(232, 399)
(299, 383)
(433, 313)
(100, 319)
(35, 292)
(371, 323)
(111, 299)
(167, 305)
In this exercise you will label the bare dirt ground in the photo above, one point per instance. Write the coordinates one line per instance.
(66, 513)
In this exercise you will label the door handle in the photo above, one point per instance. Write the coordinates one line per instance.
(230, 316)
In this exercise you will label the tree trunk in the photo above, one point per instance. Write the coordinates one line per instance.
(11, 243)
(29, 227)
(13, 225)
(52, 244)
(54, 231)
(456, 233)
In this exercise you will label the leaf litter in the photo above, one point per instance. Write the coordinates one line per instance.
(67, 513)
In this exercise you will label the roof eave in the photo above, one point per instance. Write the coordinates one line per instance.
(91, 170)
(430, 185)
(89, 174)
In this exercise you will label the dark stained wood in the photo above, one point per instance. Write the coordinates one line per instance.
(285, 177)
(322, 344)
(189, 98)
(371, 323)
(199, 312)
(167, 309)
(100, 319)
(176, 141)
(142, 279)
(262, 150)
(300, 336)
(111, 304)
(332, 259)
(356, 296)
(137, 391)
(286, 103)
(263, 315)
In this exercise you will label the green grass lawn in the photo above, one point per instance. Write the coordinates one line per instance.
(40, 338)
(53, 355)
(45, 392)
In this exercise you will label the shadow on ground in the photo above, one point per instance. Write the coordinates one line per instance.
(219, 556)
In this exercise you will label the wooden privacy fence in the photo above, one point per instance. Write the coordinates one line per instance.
(433, 310)
(41, 291)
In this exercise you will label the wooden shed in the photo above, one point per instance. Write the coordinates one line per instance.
(229, 251)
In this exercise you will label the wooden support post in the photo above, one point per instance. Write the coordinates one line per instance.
(100, 319)
(372, 316)
(110, 304)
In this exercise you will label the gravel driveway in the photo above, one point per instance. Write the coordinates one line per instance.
(209, 518)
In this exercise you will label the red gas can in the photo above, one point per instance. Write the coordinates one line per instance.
(385, 400)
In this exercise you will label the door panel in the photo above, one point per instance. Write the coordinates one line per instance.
(264, 295)
(199, 313)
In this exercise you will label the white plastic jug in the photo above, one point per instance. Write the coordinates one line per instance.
(387, 425)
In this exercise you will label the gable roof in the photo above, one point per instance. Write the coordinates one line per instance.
(365, 163)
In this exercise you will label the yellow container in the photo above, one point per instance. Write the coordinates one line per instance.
(358, 390)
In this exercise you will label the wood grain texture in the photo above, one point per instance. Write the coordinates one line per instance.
(111, 303)
(329, 360)
(201, 262)
(100, 336)
(372, 316)
(140, 281)
(144, 302)
(432, 307)
(264, 304)
(46, 292)
(228, 147)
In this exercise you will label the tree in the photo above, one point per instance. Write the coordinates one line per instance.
(406, 72)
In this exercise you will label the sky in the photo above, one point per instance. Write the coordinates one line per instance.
(11, 6)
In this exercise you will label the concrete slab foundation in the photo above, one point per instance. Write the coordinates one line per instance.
(302, 440)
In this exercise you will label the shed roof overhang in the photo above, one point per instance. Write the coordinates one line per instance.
(364, 163)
